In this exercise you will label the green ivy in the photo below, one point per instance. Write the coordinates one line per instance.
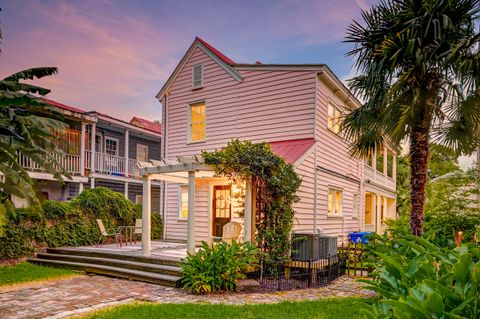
(57, 224)
(276, 185)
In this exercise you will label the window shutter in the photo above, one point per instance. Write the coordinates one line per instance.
(197, 76)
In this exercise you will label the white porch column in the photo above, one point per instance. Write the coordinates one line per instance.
(146, 216)
(247, 216)
(92, 182)
(80, 188)
(92, 148)
(385, 208)
(394, 167)
(125, 190)
(374, 163)
(127, 136)
(82, 150)
(385, 162)
(191, 213)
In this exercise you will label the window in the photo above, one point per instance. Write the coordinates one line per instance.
(355, 206)
(142, 153)
(139, 199)
(183, 203)
(197, 122)
(111, 146)
(197, 76)
(333, 117)
(335, 198)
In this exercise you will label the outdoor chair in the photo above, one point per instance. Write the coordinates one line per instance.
(138, 228)
(231, 231)
(110, 233)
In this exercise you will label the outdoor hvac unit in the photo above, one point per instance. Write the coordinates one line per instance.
(313, 246)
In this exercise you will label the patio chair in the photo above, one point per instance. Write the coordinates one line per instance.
(110, 233)
(231, 231)
(138, 229)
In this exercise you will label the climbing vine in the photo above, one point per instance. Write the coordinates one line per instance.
(275, 183)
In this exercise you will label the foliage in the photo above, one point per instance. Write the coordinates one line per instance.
(418, 75)
(276, 184)
(218, 268)
(417, 279)
(28, 126)
(325, 308)
(69, 223)
(443, 160)
(403, 186)
(26, 272)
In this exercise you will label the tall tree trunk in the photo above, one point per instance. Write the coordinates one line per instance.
(419, 153)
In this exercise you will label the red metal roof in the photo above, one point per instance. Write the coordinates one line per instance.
(146, 124)
(292, 150)
(219, 54)
(63, 106)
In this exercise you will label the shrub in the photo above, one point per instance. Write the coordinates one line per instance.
(417, 279)
(57, 224)
(219, 267)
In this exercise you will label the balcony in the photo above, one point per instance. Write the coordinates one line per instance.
(379, 178)
(71, 163)
(112, 165)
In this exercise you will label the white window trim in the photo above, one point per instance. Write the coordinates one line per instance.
(179, 216)
(336, 109)
(193, 77)
(189, 122)
(341, 201)
(111, 139)
(146, 147)
(101, 150)
(356, 210)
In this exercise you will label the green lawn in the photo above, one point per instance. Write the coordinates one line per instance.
(337, 308)
(26, 272)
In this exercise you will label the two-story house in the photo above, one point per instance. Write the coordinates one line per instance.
(110, 161)
(209, 99)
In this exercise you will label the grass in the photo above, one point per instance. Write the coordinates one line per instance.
(337, 308)
(27, 272)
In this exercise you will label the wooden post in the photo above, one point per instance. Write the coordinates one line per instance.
(191, 213)
(82, 150)
(125, 190)
(127, 138)
(146, 216)
(92, 148)
(247, 216)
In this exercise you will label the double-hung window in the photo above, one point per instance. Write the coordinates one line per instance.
(111, 146)
(197, 76)
(335, 202)
(183, 203)
(197, 121)
(333, 117)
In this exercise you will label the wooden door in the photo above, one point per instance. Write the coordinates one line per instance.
(221, 208)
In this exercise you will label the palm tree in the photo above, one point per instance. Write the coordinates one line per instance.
(418, 68)
(28, 126)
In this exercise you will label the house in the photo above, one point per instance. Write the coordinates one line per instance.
(110, 161)
(209, 100)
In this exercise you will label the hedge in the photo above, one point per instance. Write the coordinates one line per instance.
(57, 224)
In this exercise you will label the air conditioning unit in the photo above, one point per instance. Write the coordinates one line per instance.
(307, 246)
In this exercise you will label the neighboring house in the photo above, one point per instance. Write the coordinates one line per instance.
(209, 100)
(112, 160)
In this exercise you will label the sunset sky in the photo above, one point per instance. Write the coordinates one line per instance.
(114, 56)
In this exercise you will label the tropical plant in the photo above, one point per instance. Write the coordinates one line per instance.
(219, 267)
(27, 126)
(418, 75)
(414, 278)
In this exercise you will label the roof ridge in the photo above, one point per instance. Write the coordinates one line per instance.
(215, 51)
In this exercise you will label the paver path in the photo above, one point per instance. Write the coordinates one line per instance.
(76, 295)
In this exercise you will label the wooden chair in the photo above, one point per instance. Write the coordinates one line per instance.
(138, 229)
(231, 231)
(110, 233)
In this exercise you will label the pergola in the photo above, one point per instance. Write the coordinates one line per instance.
(185, 170)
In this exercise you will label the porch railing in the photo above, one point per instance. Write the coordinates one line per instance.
(69, 162)
(112, 164)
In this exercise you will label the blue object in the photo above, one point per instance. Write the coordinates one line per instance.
(359, 237)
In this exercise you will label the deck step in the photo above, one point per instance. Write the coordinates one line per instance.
(132, 274)
(114, 262)
(159, 260)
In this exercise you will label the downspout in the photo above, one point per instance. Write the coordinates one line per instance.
(315, 230)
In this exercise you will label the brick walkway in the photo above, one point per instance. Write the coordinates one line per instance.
(63, 298)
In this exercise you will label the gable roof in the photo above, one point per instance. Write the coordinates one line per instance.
(146, 124)
(221, 59)
(63, 106)
(292, 150)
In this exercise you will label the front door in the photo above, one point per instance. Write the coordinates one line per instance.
(221, 208)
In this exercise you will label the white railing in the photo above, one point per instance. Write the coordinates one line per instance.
(70, 163)
(378, 177)
(133, 170)
(109, 164)
(88, 159)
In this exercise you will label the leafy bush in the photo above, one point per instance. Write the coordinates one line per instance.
(417, 279)
(219, 267)
(57, 224)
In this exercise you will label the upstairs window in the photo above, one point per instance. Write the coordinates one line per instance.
(142, 153)
(197, 122)
(197, 76)
(333, 118)
(111, 146)
(335, 199)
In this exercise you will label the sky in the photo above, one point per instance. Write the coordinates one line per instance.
(114, 56)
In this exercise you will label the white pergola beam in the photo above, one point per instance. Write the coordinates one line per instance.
(188, 167)
(170, 178)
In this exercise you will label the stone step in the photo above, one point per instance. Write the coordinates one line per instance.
(114, 262)
(132, 274)
(159, 260)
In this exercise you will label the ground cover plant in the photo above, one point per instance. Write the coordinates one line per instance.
(338, 308)
(27, 272)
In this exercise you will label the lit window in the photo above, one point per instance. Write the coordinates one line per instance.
(197, 122)
(333, 118)
(183, 203)
(111, 146)
(335, 202)
(142, 153)
(197, 76)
